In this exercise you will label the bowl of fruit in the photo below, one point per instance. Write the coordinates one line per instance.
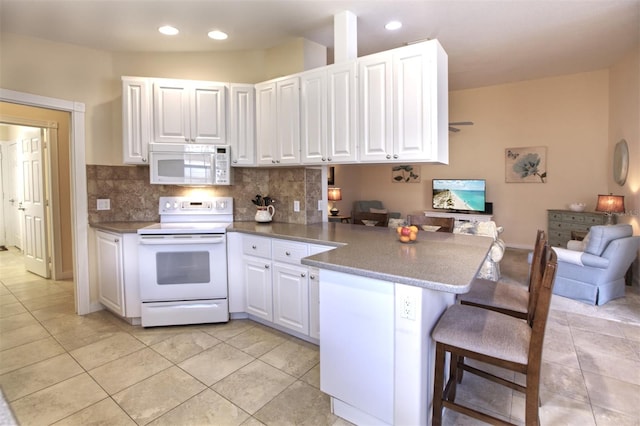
(407, 234)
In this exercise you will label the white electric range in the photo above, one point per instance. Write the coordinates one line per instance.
(183, 262)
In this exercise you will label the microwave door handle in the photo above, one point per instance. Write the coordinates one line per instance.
(161, 241)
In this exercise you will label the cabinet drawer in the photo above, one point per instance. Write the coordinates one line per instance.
(575, 218)
(594, 220)
(256, 246)
(555, 216)
(289, 251)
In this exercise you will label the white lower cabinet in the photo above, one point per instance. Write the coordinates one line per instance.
(118, 288)
(277, 288)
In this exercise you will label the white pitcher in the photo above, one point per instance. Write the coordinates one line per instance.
(265, 213)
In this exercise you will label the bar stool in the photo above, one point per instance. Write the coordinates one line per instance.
(509, 299)
(470, 332)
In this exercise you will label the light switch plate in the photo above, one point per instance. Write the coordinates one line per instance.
(104, 204)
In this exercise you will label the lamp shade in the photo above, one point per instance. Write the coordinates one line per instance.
(334, 194)
(610, 203)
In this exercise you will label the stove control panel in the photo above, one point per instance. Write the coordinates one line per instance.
(195, 206)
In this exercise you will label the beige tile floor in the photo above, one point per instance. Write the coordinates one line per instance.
(63, 369)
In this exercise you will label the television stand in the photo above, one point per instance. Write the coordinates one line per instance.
(460, 217)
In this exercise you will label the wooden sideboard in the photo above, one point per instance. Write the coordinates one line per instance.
(562, 222)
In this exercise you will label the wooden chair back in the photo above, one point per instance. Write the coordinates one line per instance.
(538, 262)
(446, 224)
(380, 219)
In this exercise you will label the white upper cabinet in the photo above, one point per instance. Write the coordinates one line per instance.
(404, 105)
(136, 119)
(242, 122)
(189, 112)
(278, 121)
(328, 115)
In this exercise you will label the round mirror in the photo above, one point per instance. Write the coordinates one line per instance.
(621, 162)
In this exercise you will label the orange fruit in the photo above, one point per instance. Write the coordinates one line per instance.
(414, 228)
(405, 238)
(413, 236)
(399, 229)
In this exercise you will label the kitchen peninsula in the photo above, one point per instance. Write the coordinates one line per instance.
(379, 300)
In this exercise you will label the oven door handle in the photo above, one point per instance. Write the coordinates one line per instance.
(163, 241)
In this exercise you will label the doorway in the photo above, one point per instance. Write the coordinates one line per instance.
(72, 163)
(29, 205)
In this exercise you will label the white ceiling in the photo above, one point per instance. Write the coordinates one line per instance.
(488, 42)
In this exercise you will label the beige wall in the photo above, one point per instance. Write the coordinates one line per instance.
(567, 114)
(624, 123)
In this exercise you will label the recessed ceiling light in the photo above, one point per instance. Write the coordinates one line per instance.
(168, 30)
(393, 25)
(217, 35)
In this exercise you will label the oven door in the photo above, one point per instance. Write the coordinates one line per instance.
(182, 267)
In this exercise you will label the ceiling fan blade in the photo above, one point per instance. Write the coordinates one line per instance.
(453, 129)
(462, 123)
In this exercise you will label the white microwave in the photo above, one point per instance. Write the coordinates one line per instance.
(189, 164)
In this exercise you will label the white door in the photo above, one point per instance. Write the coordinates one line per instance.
(36, 256)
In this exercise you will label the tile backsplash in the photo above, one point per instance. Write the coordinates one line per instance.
(133, 198)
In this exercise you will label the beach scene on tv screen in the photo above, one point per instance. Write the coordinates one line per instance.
(459, 194)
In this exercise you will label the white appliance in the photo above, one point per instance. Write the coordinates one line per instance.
(190, 164)
(183, 262)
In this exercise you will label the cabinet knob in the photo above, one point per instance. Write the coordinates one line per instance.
(303, 274)
(117, 240)
(287, 253)
(254, 247)
(266, 266)
(144, 160)
(312, 277)
(329, 159)
(273, 161)
(235, 161)
(186, 140)
(324, 159)
(395, 156)
(277, 161)
(388, 156)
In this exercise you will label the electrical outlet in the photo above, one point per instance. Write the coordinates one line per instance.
(296, 206)
(408, 307)
(104, 204)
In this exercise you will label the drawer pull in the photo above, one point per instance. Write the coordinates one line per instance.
(254, 247)
(287, 253)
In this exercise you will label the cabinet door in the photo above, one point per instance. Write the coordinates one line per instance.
(291, 297)
(313, 117)
(258, 287)
(208, 105)
(342, 113)
(376, 107)
(288, 119)
(242, 123)
(412, 104)
(110, 277)
(266, 124)
(171, 112)
(136, 119)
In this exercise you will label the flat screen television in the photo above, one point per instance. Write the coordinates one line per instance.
(459, 195)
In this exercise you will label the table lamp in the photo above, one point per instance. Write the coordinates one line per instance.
(334, 194)
(610, 204)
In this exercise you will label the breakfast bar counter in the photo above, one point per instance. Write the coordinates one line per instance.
(437, 260)
(379, 300)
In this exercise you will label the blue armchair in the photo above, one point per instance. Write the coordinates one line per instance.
(596, 275)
